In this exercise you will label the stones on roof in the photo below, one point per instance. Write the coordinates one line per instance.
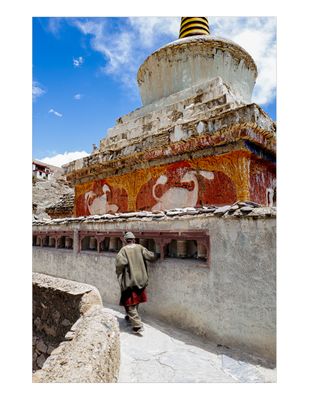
(66, 202)
(238, 209)
(47, 193)
(63, 208)
(222, 210)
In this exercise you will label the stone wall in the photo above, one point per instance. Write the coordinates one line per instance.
(54, 312)
(47, 193)
(63, 208)
(230, 299)
(74, 339)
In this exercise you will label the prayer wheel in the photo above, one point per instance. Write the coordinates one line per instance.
(113, 244)
(119, 244)
(92, 243)
(181, 248)
(144, 242)
(67, 243)
(201, 251)
(157, 248)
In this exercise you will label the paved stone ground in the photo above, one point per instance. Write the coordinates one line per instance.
(167, 354)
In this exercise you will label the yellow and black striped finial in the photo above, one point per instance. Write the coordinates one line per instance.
(191, 26)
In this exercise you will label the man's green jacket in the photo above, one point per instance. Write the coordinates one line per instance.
(131, 267)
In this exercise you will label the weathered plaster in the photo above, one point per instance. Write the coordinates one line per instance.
(187, 62)
(232, 302)
(246, 122)
(221, 179)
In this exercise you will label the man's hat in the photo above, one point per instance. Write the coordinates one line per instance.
(129, 235)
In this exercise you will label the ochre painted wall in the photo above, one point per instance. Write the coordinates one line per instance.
(262, 182)
(220, 179)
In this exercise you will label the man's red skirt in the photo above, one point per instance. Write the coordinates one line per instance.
(133, 296)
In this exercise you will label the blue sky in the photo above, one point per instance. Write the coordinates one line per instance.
(84, 73)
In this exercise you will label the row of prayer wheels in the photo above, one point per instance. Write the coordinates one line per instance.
(49, 241)
(182, 249)
(114, 244)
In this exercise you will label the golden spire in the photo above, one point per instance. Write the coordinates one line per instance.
(191, 26)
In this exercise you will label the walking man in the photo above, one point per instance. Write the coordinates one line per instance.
(132, 275)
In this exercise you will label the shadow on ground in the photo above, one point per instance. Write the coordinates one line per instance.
(177, 333)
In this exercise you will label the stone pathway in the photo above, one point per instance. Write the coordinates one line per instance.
(167, 354)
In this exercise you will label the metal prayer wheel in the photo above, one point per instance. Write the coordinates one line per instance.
(181, 248)
(67, 243)
(38, 241)
(201, 251)
(143, 242)
(92, 243)
(113, 244)
(157, 248)
(51, 242)
(119, 244)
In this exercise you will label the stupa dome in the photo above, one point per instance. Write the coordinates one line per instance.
(194, 60)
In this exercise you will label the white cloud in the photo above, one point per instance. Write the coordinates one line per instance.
(257, 35)
(77, 96)
(54, 25)
(150, 28)
(37, 91)
(60, 159)
(55, 112)
(125, 47)
(77, 62)
(115, 46)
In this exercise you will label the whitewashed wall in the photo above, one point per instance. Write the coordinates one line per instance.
(232, 303)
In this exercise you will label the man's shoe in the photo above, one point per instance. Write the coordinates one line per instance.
(127, 318)
(138, 330)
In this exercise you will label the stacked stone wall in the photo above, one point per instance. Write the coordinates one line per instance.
(74, 339)
(54, 312)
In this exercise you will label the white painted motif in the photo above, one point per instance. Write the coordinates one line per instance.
(99, 204)
(270, 194)
(176, 197)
